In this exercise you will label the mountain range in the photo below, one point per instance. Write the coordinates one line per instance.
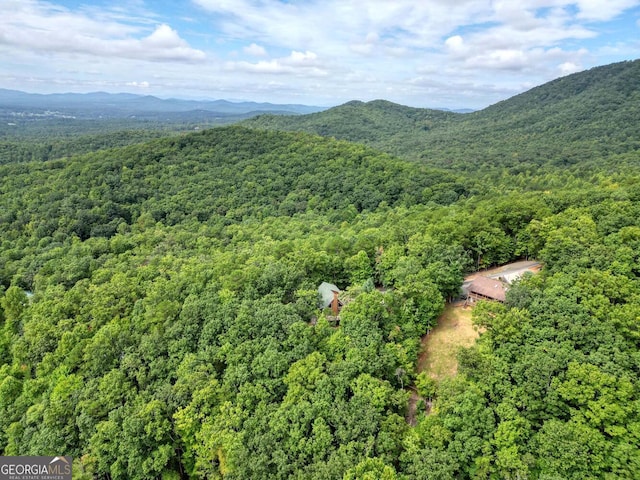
(125, 105)
(567, 121)
(571, 121)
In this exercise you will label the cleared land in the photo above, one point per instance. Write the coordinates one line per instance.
(455, 329)
(438, 353)
(440, 346)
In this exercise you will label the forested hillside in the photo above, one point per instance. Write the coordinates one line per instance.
(41, 143)
(374, 123)
(160, 314)
(569, 121)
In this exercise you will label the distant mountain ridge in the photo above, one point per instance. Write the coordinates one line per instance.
(122, 105)
(595, 113)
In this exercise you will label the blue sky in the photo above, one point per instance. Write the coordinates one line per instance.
(423, 53)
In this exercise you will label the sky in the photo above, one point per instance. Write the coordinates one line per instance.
(421, 53)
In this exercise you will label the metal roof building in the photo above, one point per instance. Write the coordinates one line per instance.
(485, 288)
(329, 297)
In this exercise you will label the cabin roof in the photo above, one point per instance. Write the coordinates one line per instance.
(488, 287)
(326, 291)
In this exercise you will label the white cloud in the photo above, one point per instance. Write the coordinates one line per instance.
(507, 59)
(302, 58)
(467, 34)
(603, 10)
(456, 47)
(569, 67)
(138, 84)
(298, 63)
(431, 52)
(454, 43)
(40, 27)
(255, 50)
(524, 38)
(331, 25)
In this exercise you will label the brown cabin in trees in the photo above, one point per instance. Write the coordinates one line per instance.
(329, 297)
(485, 288)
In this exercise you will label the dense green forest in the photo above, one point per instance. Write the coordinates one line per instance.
(159, 306)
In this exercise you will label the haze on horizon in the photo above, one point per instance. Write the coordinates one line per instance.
(436, 53)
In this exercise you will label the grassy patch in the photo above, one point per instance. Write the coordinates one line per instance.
(439, 348)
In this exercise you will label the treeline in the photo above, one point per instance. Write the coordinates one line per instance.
(37, 149)
(48, 139)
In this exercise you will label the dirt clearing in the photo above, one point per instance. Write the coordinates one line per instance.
(439, 348)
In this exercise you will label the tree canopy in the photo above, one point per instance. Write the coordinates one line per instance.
(159, 314)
